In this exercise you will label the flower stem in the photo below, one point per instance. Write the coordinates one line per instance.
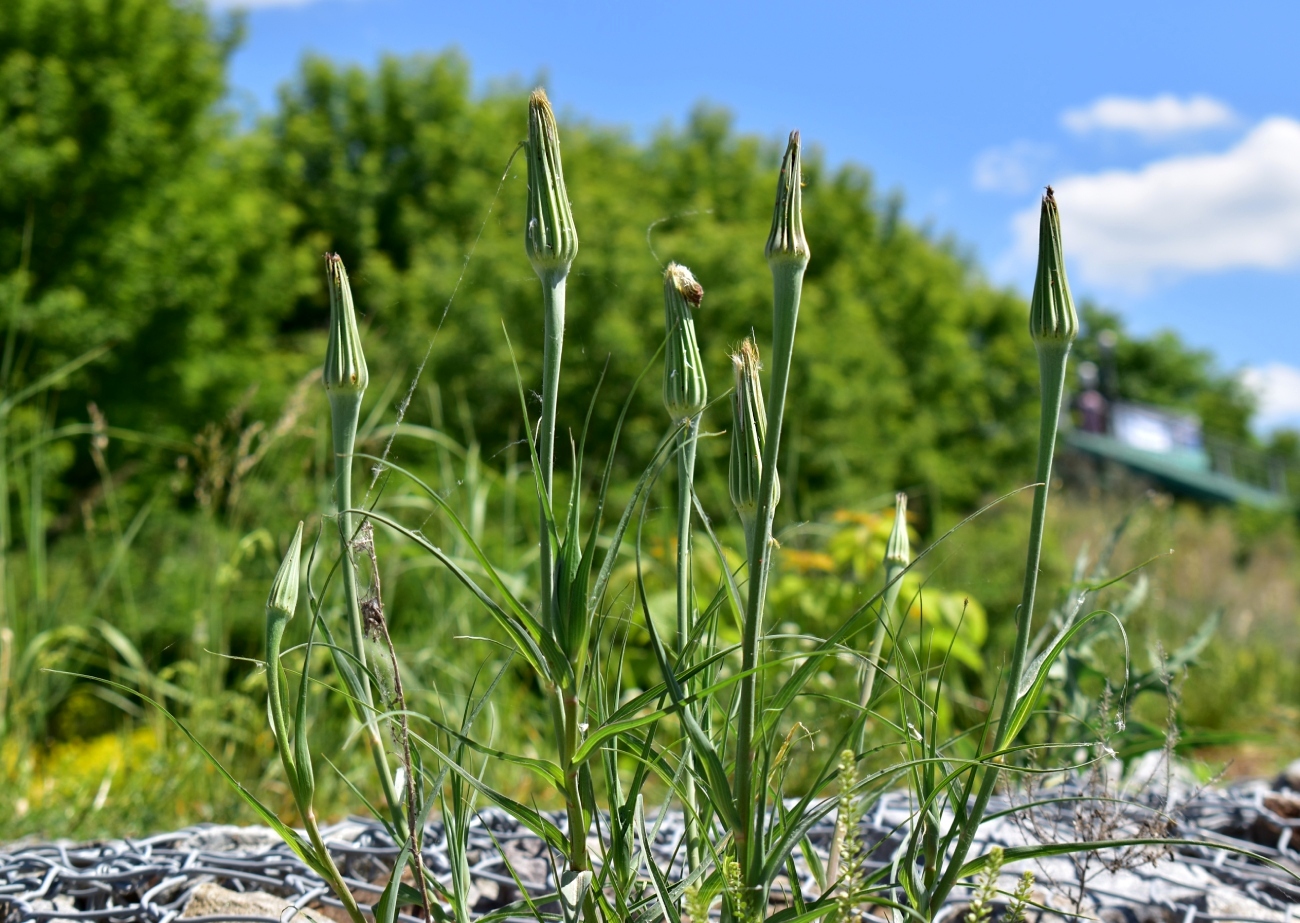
(787, 279)
(553, 291)
(687, 445)
(1052, 357)
(345, 410)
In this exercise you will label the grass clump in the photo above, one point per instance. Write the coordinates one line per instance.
(662, 676)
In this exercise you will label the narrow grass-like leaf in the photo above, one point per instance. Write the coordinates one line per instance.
(301, 848)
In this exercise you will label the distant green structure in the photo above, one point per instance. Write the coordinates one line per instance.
(1178, 472)
(1167, 447)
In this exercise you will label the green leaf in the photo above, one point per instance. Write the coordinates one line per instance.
(301, 848)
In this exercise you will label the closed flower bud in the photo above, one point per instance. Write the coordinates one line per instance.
(550, 237)
(345, 363)
(283, 600)
(786, 242)
(898, 552)
(748, 434)
(685, 389)
(1051, 312)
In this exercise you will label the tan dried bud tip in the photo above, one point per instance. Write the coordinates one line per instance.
(748, 431)
(283, 599)
(551, 239)
(786, 242)
(685, 390)
(1051, 310)
(899, 550)
(345, 363)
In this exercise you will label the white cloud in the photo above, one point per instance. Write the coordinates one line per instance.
(1182, 215)
(1277, 388)
(1159, 117)
(1015, 168)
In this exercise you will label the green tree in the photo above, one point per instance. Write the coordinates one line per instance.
(913, 371)
(129, 215)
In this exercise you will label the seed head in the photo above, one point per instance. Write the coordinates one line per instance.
(685, 390)
(1051, 312)
(786, 242)
(748, 432)
(899, 551)
(550, 237)
(283, 600)
(345, 363)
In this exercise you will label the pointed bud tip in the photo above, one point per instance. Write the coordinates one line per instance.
(550, 237)
(283, 597)
(748, 431)
(345, 362)
(1052, 317)
(786, 242)
(899, 550)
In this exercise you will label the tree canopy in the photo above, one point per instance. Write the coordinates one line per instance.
(136, 211)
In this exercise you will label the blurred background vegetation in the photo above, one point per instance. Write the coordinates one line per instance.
(162, 431)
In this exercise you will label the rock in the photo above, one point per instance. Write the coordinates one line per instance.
(1283, 804)
(1289, 777)
(227, 837)
(1229, 903)
(60, 902)
(210, 900)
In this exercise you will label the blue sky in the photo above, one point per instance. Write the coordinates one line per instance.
(1170, 130)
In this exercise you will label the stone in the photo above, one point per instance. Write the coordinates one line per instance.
(227, 837)
(209, 899)
(1289, 777)
(1229, 903)
(61, 902)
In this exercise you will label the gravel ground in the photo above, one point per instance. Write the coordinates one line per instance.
(192, 873)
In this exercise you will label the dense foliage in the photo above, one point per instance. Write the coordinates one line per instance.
(134, 212)
(137, 213)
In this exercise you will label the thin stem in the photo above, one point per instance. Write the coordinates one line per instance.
(573, 804)
(345, 411)
(553, 291)
(335, 877)
(893, 583)
(275, 694)
(688, 443)
(787, 280)
(413, 830)
(1052, 356)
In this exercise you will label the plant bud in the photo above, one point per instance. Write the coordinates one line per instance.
(898, 552)
(786, 242)
(550, 238)
(685, 389)
(1051, 312)
(283, 600)
(748, 433)
(345, 363)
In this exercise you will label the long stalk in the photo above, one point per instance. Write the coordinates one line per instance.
(688, 443)
(345, 411)
(1053, 325)
(551, 242)
(280, 606)
(553, 292)
(897, 555)
(686, 393)
(787, 253)
(345, 376)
